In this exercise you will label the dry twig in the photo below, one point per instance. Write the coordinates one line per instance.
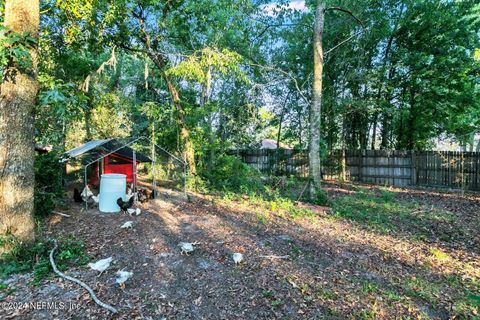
(62, 214)
(275, 257)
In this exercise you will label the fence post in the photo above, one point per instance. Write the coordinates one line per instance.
(344, 165)
(463, 172)
(361, 166)
(413, 169)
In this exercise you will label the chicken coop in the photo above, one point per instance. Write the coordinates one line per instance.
(140, 160)
(108, 156)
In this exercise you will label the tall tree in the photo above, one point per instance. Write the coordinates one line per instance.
(315, 111)
(18, 93)
(316, 108)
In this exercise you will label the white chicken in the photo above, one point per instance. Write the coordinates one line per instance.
(129, 195)
(93, 201)
(127, 225)
(237, 257)
(122, 277)
(134, 211)
(130, 192)
(86, 193)
(101, 265)
(186, 248)
(96, 199)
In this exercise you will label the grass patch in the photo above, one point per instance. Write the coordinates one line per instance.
(387, 195)
(263, 218)
(321, 198)
(464, 294)
(267, 294)
(421, 288)
(439, 254)
(270, 202)
(276, 303)
(300, 213)
(366, 314)
(369, 287)
(383, 213)
(327, 294)
(391, 296)
(6, 290)
(35, 258)
(467, 306)
(366, 208)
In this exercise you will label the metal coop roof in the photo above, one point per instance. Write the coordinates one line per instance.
(94, 149)
(85, 148)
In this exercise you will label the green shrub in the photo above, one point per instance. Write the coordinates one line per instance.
(197, 183)
(321, 198)
(230, 174)
(28, 257)
(48, 183)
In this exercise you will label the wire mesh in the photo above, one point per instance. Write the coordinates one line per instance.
(153, 166)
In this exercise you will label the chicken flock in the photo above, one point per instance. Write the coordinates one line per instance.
(143, 195)
(103, 264)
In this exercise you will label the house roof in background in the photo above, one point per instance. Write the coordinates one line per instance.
(272, 144)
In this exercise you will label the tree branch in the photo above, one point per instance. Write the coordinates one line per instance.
(342, 42)
(125, 47)
(347, 12)
(295, 82)
(281, 24)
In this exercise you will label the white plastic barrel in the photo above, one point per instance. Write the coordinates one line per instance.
(112, 187)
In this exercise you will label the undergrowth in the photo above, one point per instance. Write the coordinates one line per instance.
(48, 183)
(227, 174)
(35, 257)
(231, 179)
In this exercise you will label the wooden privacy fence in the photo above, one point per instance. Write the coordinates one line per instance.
(276, 162)
(449, 169)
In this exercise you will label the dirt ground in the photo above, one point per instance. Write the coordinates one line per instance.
(305, 268)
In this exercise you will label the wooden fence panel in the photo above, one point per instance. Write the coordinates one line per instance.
(448, 169)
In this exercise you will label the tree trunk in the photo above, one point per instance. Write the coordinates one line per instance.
(380, 87)
(205, 99)
(316, 109)
(18, 93)
(300, 128)
(88, 122)
(400, 140)
(411, 119)
(471, 142)
(187, 145)
(280, 121)
(374, 131)
(387, 116)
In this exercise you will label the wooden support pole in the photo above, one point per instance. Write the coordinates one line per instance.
(413, 170)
